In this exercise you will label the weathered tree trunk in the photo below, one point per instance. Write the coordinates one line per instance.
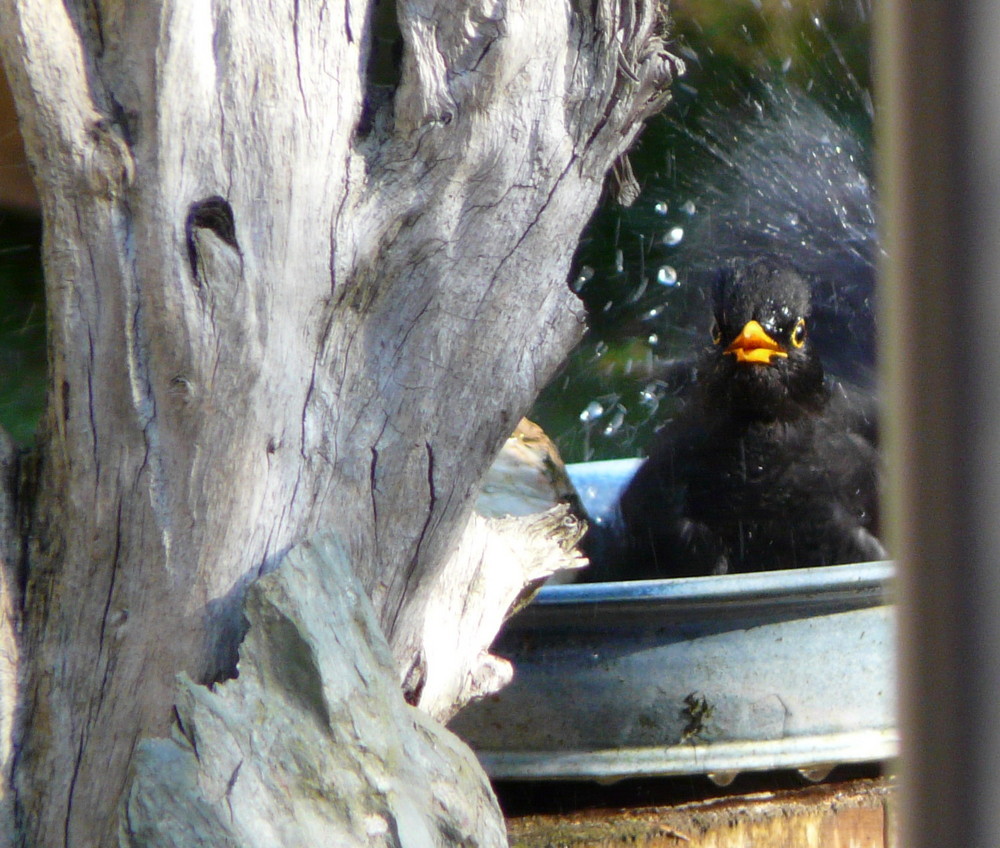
(281, 301)
(11, 553)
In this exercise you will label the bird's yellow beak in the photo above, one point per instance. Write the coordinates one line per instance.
(754, 345)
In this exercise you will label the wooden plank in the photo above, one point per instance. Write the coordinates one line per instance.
(849, 815)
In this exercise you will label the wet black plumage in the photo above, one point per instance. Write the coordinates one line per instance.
(767, 464)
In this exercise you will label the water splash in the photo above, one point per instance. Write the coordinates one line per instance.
(667, 276)
(615, 423)
(585, 276)
(744, 165)
(673, 236)
(593, 411)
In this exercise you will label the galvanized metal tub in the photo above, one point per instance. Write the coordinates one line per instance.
(712, 675)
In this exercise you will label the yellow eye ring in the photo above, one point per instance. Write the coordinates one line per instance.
(716, 333)
(798, 336)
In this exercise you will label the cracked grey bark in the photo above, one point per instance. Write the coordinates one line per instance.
(10, 560)
(280, 301)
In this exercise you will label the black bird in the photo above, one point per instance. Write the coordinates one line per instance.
(767, 465)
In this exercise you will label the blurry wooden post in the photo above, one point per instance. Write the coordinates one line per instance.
(281, 298)
(940, 174)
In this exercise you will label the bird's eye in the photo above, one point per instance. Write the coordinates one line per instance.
(799, 333)
(716, 333)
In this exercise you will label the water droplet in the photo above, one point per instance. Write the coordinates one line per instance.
(619, 261)
(653, 339)
(615, 423)
(655, 312)
(649, 396)
(786, 64)
(688, 207)
(586, 275)
(673, 236)
(792, 219)
(666, 276)
(661, 208)
(593, 411)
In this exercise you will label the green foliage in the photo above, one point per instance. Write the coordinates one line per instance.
(22, 327)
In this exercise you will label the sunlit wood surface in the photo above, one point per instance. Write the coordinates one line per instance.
(856, 814)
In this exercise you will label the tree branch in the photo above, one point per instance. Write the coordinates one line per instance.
(71, 143)
(499, 564)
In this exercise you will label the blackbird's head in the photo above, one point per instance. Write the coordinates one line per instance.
(761, 363)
